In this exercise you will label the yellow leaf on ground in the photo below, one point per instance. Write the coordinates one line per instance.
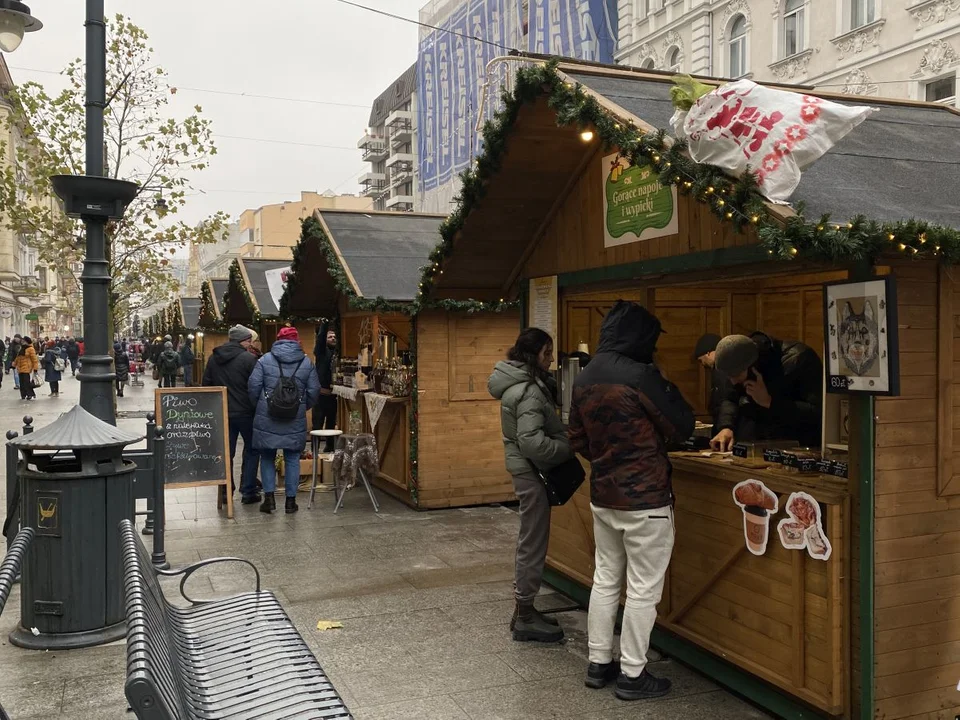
(328, 625)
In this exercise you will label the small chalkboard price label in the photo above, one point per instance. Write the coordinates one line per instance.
(740, 450)
(197, 448)
(838, 383)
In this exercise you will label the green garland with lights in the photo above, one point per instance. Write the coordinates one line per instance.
(176, 316)
(736, 200)
(208, 309)
(236, 280)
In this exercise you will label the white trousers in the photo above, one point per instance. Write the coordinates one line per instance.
(638, 544)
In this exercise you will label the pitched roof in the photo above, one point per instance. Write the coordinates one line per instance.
(902, 163)
(393, 97)
(256, 274)
(383, 252)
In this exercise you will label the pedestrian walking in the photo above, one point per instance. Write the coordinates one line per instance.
(27, 364)
(325, 353)
(13, 349)
(168, 363)
(121, 366)
(282, 386)
(623, 418)
(186, 362)
(534, 439)
(53, 367)
(230, 366)
(73, 354)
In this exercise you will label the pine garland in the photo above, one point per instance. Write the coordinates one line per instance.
(734, 200)
(208, 309)
(236, 280)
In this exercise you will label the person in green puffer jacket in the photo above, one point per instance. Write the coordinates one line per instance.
(533, 438)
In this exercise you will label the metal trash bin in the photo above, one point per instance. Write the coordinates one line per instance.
(75, 489)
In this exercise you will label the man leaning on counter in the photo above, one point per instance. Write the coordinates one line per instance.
(775, 391)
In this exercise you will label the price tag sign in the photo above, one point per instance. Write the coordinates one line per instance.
(838, 383)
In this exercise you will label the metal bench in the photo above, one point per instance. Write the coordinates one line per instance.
(240, 657)
(9, 570)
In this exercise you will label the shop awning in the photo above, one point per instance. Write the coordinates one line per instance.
(903, 163)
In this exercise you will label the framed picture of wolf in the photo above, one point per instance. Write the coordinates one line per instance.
(860, 327)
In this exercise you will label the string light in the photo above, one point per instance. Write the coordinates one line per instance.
(901, 246)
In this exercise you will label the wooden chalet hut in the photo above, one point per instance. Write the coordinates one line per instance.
(872, 628)
(210, 321)
(440, 445)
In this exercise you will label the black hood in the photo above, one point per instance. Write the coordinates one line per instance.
(227, 352)
(630, 329)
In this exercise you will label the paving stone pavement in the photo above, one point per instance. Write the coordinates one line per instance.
(424, 598)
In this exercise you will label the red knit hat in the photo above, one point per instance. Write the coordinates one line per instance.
(288, 333)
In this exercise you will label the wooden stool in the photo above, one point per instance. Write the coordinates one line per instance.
(315, 437)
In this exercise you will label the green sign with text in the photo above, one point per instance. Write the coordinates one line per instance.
(636, 206)
(32, 316)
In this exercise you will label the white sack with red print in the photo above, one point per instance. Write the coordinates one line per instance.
(775, 133)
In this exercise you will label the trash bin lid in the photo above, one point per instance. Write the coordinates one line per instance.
(74, 430)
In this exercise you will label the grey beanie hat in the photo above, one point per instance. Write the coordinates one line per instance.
(735, 354)
(239, 333)
(168, 345)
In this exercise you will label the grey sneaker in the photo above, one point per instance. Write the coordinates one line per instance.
(641, 688)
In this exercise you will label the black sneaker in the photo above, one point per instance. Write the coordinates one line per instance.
(641, 688)
(599, 676)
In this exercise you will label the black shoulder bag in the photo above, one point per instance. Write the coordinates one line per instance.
(561, 481)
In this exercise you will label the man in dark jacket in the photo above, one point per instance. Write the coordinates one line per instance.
(186, 361)
(624, 416)
(776, 391)
(325, 352)
(230, 366)
(73, 354)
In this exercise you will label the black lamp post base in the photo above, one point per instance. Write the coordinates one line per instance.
(23, 638)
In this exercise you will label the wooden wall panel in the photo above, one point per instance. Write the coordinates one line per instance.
(460, 446)
(917, 550)
(573, 239)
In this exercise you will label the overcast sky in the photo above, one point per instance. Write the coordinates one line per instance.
(318, 50)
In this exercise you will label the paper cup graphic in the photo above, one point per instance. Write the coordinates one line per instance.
(756, 528)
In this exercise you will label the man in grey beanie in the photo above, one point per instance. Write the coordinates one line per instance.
(230, 366)
(776, 391)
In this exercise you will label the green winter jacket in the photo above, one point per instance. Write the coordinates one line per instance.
(531, 426)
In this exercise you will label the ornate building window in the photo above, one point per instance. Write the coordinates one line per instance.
(793, 34)
(862, 12)
(673, 60)
(737, 55)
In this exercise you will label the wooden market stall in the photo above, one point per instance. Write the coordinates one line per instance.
(211, 324)
(252, 298)
(438, 446)
(872, 630)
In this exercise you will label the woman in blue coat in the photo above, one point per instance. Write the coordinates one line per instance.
(270, 433)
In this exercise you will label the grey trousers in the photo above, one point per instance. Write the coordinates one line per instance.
(534, 536)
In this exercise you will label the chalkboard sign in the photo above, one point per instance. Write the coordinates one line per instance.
(197, 449)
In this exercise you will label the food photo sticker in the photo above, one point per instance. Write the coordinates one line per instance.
(804, 527)
(758, 503)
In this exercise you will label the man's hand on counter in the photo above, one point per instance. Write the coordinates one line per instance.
(723, 441)
(757, 390)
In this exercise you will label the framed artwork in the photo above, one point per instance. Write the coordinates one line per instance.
(860, 327)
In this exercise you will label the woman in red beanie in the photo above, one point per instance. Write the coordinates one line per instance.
(286, 360)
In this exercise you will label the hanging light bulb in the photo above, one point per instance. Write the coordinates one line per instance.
(586, 135)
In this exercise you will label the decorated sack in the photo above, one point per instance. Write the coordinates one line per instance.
(774, 133)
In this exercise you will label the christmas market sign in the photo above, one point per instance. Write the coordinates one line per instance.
(636, 206)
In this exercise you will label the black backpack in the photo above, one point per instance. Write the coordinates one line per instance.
(284, 402)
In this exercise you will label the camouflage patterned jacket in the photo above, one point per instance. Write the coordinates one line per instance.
(625, 414)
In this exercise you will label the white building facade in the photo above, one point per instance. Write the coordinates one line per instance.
(389, 144)
(891, 48)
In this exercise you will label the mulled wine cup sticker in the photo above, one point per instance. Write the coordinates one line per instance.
(758, 503)
(803, 528)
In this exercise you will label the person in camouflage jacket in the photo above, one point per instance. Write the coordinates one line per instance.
(624, 417)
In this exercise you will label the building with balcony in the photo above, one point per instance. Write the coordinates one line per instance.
(33, 298)
(390, 146)
(905, 49)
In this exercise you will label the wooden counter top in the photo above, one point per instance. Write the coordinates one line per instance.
(828, 488)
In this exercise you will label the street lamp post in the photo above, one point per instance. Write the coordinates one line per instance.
(96, 199)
